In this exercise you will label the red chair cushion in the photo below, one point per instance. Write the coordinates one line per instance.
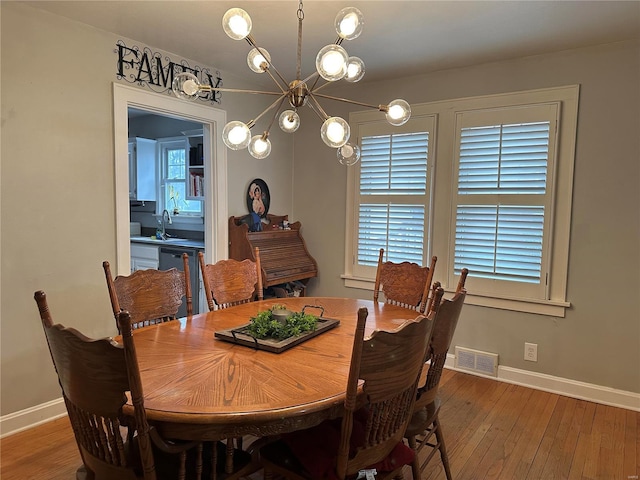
(316, 448)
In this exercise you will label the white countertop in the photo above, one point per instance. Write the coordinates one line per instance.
(170, 242)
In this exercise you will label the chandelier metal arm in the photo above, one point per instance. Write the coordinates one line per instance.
(277, 110)
(315, 89)
(275, 80)
(315, 110)
(315, 82)
(278, 102)
(324, 115)
(382, 108)
(209, 88)
(251, 41)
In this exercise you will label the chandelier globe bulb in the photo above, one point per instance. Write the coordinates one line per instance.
(236, 23)
(236, 135)
(398, 112)
(260, 147)
(258, 60)
(355, 70)
(185, 86)
(331, 62)
(335, 132)
(348, 154)
(349, 23)
(289, 121)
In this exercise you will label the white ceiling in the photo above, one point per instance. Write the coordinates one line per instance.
(409, 37)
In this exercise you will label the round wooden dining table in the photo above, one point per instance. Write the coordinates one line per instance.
(199, 387)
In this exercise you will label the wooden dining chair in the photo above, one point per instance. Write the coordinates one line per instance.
(231, 282)
(406, 284)
(95, 377)
(369, 435)
(150, 296)
(228, 283)
(462, 280)
(424, 429)
(460, 286)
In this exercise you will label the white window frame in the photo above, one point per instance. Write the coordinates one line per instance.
(441, 240)
(162, 145)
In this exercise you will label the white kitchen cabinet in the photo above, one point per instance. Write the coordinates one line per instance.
(142, 169)
(144, 257)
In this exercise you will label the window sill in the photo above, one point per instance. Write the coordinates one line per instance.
(184, 219)
(538, 307)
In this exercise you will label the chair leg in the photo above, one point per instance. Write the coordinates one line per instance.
(83, 474)
(415, 466)
(199, 461)
(182, 472)
(228, 467)
(214, 461)
(442, 447)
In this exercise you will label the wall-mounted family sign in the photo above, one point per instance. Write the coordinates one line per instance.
(143, 66)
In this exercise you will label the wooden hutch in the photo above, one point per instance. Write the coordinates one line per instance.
(283, 253)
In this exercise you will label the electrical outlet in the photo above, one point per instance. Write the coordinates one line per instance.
(531, 352)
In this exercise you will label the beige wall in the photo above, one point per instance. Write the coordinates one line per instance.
(599, 340)
(58, 221)
(57, 187)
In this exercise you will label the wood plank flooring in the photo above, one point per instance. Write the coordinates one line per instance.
(493, 431)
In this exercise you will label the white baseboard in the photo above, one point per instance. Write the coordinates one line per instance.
(561, 386)
(31, 417)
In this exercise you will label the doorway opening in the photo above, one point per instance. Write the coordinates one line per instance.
(215, 166)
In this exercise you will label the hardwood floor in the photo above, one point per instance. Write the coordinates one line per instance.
(493, 430)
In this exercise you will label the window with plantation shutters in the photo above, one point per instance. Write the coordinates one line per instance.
(392, 195)
(483, 183)
(505, 160)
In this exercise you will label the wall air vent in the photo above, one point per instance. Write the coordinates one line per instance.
(484, 363)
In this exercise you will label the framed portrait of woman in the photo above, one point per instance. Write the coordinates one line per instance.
(258, 198)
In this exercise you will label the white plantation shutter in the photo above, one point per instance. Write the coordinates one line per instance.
(500, 242)
(394, 164)
(399, 229)
(392, 197)
(504, 159)
(503, 196)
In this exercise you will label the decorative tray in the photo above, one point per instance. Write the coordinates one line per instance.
(240, 336)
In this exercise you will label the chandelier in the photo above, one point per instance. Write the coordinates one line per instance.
(332, 64)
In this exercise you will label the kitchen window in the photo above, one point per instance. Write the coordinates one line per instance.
(172, 192)
(494, 195)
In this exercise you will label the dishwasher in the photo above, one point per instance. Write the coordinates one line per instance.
(172, 258)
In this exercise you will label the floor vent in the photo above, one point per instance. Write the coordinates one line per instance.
(476, 361)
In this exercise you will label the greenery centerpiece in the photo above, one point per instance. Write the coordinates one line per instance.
(266, 324)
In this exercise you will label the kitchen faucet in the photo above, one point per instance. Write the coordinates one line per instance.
(165, 215)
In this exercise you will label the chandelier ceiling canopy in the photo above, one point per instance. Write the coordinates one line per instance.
(332, 64)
